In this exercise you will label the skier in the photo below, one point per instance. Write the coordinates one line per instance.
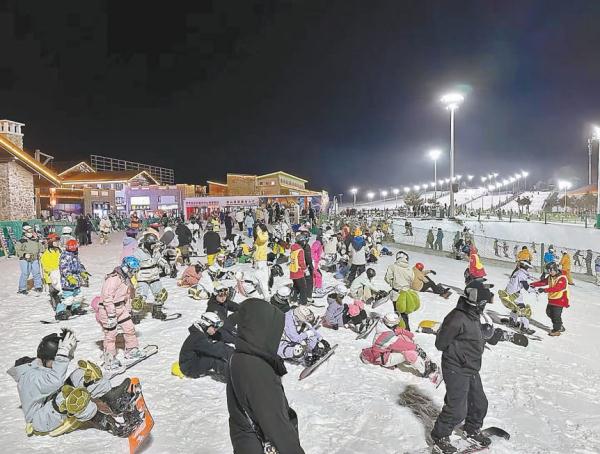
(221, 304)
(204, 352)
(565, 266)
(398, 275)
(556, 285)
(363, 288)
(260, 258)
(260, 417)
(212, 243)
(520, 280)
(148, 278)
(301, 340)
(249, 224)
(577, 258)
(73, 276)
(423, 283)
(228, 221)
(298, 268)
(439, 238)
(50, 260)
(461, 341)
(340, 314)
(54, 403)
(28, 250)
(66, 235)
(105, 227)
(239, 218)
(114, 310)
(129, 243)
(393, 346)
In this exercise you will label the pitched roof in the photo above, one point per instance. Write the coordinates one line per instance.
(107, 177)
(281, 172)
(28, 161)
(73, 169)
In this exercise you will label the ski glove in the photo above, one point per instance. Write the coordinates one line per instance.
(433, 272)
(66, 347)
(111, 323)
(72, 279)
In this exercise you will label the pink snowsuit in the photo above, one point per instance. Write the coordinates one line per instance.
(389, 342)
(189, 278)
(316, 249)
(116, 295)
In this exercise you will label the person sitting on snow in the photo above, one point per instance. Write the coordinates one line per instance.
(220, 303)
(191, 275)
(423, 283)
(301, 341)
(55, 403)
(393, 346)
(204, 352)
(363, 288)
(340, 314)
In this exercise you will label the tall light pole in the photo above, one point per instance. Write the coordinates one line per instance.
(452, 102)
(370, 195)
(434, 155)
(589, 162)
(353, 191)
(597, 137)
(564, 185)
(525, 175)
(396, 191)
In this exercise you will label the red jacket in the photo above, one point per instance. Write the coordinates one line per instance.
(558, 289)
(297, 264)
(476, 268)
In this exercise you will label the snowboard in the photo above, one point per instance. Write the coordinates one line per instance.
(498, 318)
(321, 292)
(139, 414)
(53, 321)
(380, 301)
(472, 447)
(150, 350)
(310, 369)
(373, 320)
(167, 237)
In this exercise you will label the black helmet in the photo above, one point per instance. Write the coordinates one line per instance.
(552, 266)
(403, 254)
(525, 264)
(49, 345)
(276, 271)
(477, 293)
(149, 241)
(370, 273)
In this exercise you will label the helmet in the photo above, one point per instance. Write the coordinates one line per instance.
(370, 273)
(478, 293)
(301, 238)
(341, 289)
(52, 237)
(552, 266)
(220, 288)
(49, 345)
(131, 263)
(276, 271)
(72, 246)
(131, 233)
(27, 228)
(401, 255)
(149, 241)
(420, 266)
(391, 319)
(525, 264)
(209, 226)
(209, 319)
(284, 293)
(66, 230)
(304, 314)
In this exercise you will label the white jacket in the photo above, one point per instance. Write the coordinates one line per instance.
(399, 275)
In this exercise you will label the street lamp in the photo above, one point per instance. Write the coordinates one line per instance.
(353, 191)
(370, 195)
(396, 191)
(452, 101)
(434, 155)
(562, 184)
(525, 175)
(384, 194)
(596, 136)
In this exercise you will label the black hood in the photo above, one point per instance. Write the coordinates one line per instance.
(259, 327)
(463, 305)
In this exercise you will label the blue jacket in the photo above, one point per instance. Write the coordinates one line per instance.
(549, 257)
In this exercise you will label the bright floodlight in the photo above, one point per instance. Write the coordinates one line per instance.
(518, 176)
(447, 180)
(416, 187)
(498, 185)
(562, 184)
(491, 187)
(452, 100)
(370, 195)
(525, 174)
(440, 181)
(495, 174)
(384, 193)
(424, 186)
(406, 189)
(483, 179)
(596, 130)
(470, 177)
(432, 184)
(512, 179)
(435, 154)
(458, 177)
(395, 191)
(505, 181)
(353, 190)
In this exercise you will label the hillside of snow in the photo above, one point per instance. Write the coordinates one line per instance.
(545, 395)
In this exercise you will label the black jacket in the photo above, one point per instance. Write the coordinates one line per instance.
(228, 331)
(201, 354)
(184, 235)
(254, 389)
(308, 258)
(460, 338)
(228, 222)
(212, 242)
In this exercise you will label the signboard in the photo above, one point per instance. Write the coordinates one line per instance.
(140, 201)
(221, 202)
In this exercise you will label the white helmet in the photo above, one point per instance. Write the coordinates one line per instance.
(209, 319)
(67, 230)
(284, 292)
(341, 289)
(391, 319)
(304, 314)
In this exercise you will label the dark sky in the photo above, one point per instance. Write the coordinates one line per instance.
(340, 92)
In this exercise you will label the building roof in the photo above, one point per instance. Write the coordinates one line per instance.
(107, 177)
(73, 168)
(589, 189)
(244, 175)
(281, 172)
(216, 182)
(28, 161)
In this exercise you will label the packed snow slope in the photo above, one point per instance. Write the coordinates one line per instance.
(545, 395)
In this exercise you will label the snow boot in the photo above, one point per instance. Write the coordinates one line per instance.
(77, 310)
(158, 313)
(443, 446)
(119, 398)
(107, 423)
(477, 437)
(554, 333)
(134, 353)
(562, 328)
(22, 292)
(136, 317)
(63, 315)
(110, 362)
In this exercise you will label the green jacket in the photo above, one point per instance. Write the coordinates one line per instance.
(28, 246)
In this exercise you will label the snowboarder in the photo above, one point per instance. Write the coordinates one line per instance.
(301, 341)
(212, 243)
(28, 250)
(556, 285)
(520, 279)
(461, 341)
(73, 276)
(423, 283)
(221, 304)
(577, 258)
(439, 238)
(191, 276)
(204, 352)
(114, 310)
(430, 238)
(340, 314)
(260, 417)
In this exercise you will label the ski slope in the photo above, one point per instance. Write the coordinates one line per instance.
(538, 198)
(545, 395)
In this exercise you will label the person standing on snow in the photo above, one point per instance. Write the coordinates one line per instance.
(261, 241)
(557, 287)
(461, 342)
(73, 276)
(28, 250)
(565, 266)
(430, 238)
(298, 267)
(358, 255)
(105, 227)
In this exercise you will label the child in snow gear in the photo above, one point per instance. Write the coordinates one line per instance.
(66, 235)
(556, 286)
(423, 283)
(259, 413)
(298, 267)
(340, 314)
(358, 255)
(28, 250)
(301, 341)
(475, 269)
(114, 310)
(152, 262)
(461, 341)
(50, 260)
(204, 351)
(191, 275)
(73, 276)
(393, 346)
(54, 403)
(519, 280)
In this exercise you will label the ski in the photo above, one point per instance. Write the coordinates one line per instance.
(310, 369)
(54, 321)
(374, 320)
(149, 351)
(139, 415)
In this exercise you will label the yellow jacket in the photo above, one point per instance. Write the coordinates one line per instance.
(525, 254)
(565, 262)
(260, 252)
(49, 261)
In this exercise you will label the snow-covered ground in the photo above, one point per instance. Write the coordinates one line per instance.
(545, 395)
(538, 198)
(462, 197)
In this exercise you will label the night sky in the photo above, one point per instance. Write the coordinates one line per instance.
(343, 93)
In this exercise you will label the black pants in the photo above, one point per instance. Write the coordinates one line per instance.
(228, 231)
(309, 285)
(405, 318)
(555, 314)
(356, 320)
(241, 226)
(300, 286)
(355, 270)
(204, 366)
(430, 285)
(464, 400)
